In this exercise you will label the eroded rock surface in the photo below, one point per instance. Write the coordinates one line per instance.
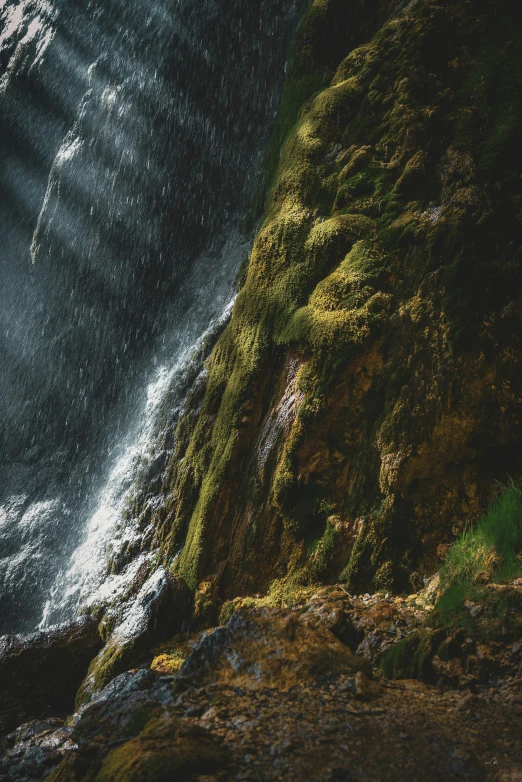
(273, 695)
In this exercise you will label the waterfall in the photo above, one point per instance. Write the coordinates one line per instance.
(109, 531)
(132, 137)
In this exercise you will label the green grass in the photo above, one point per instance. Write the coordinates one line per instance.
(485, 553)
(491, 547)
(502, 525)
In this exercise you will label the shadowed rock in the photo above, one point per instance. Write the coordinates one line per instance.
(130, 732)
(40, 673)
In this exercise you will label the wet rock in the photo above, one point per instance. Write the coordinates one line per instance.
(158, 612)
(262, 647)
(124, 705)
(40, 673)
(34, 748)
(130, 731)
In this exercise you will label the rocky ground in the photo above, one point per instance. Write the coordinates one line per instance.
(298, 693)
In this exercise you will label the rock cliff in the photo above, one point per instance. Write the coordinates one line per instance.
(363, 402)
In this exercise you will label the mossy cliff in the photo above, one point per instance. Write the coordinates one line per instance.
(365, 397)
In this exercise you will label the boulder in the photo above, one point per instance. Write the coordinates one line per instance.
(268, 647)
(41, 672)
(365, 689)
(130, 731)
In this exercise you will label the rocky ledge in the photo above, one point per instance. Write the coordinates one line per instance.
(302, 692)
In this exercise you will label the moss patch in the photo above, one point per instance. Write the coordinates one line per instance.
(163, 749)
(411, 657)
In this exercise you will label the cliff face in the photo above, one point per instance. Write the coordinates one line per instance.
(364, 399)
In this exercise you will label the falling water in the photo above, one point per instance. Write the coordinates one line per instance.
(109, 531)
(132, 136)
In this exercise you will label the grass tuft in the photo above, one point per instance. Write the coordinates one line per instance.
(490, 549)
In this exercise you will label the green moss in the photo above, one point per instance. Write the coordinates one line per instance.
(321, 550)
(384, 577)
(169, 662)
(230, 607)
(297, 587)
(344, 310)
(310, 67)
(411, 657)
(115, 658)
(357, 554)
(162, 751)
(379, 558)
(384, 182)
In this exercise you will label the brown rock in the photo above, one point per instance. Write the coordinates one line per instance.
(268, 647)
(365, 689)
(465, 702)
(210, 714)
(413, 685)
(443, 550)
(450, 670)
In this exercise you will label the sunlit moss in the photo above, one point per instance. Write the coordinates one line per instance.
(376, 182)
(169, 662)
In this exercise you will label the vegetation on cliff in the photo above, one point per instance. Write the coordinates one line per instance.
(363, 401)
(491, 548)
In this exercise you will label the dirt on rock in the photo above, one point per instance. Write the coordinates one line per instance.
(252, 703)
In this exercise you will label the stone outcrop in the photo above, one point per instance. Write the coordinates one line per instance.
(263, 647)
(128, 732)
(40, 673)
(274, 694)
